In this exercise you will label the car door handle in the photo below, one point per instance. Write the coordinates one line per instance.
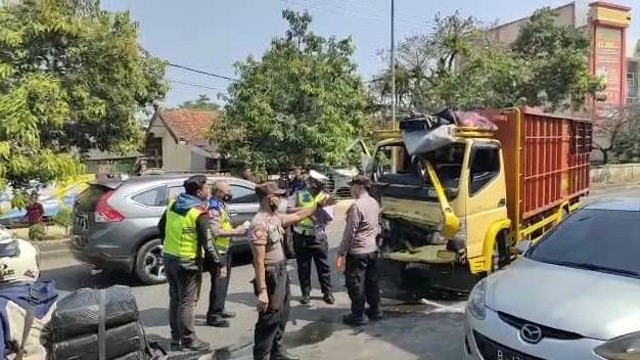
(233, 214)
(502, 202)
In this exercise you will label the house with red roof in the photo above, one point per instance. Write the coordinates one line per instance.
(177, 140)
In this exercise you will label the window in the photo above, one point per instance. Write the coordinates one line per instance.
(485, 166)
(243, 195)
(152, 197)
(604, 238)
(632, 80)
(174, 191)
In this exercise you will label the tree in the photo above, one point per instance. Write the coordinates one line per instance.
(202, 103)
(458, 64)
(302, 101)
(557, 57)
(617, 134)
(72, 78)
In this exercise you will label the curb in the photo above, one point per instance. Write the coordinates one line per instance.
(52, 245)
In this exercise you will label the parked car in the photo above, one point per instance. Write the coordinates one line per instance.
(115, 222)
(573, 295)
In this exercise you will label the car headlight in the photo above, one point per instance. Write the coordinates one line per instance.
(621, 348)
(477, 304)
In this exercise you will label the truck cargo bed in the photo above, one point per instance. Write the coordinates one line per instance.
(546, 159)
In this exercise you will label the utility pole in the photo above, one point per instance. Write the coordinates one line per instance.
(394, 154)
(393, 66)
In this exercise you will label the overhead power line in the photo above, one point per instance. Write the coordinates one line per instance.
(198, 85)
(202, 72)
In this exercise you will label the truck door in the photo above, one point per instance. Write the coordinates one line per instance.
(486, 194)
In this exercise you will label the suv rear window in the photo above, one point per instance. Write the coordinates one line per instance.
(152, 197)
(604, 238)
(88, 198)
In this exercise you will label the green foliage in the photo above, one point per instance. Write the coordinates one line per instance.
(37, 232)
(459, 65)
(63, 218)
(202, 103)
(72, 77)
(301, 102)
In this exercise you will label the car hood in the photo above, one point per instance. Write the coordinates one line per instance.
(592, 304)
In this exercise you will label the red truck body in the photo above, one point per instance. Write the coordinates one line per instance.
(546, 159)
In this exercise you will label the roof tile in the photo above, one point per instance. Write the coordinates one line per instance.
(189, 124)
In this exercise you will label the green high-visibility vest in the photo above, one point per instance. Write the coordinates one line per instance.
(223, 242)
(306, 200)
(181, 238)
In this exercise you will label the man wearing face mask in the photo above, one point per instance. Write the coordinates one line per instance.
(222, 231)
(186, 237)
(310, 239)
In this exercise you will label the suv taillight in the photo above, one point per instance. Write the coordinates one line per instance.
(104, 212)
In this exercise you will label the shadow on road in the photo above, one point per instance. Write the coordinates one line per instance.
(71, 278)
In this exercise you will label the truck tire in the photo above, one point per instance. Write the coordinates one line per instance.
(501, 256)
(149, 265)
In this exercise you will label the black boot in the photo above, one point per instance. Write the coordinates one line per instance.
(217, 321)
(355, 320)
(283, 355)
(374, 315)
(305, 299)
(328, 298)
(196, 345)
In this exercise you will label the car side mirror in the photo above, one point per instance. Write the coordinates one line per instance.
(523, 246)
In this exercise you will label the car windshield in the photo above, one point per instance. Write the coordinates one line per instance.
(597, 240)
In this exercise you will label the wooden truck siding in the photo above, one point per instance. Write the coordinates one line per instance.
(546, 160)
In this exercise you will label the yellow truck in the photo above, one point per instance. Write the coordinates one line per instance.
(466, 207)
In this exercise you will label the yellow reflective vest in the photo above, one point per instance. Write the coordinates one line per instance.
(224, 242)
(181, 238)
(305, 199)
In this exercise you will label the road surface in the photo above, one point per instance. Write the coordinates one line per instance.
(431, 329)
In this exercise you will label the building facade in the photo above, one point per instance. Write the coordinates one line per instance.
(606, 26)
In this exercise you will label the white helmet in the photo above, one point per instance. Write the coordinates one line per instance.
(318, 176)
(18, 260)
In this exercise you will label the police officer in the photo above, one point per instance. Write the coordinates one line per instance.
(185, 234)
(359, 249)
(310, 239)
(222, 231)
(271, 283)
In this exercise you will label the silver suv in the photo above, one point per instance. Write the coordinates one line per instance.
(115, 222)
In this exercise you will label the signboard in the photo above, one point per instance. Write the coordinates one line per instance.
(608, 59)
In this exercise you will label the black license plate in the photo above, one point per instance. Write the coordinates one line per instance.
(506, 354)
(82, 222)
(491, 350)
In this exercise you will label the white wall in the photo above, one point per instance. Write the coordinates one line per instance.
(175, 157)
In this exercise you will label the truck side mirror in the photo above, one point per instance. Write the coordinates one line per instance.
(523, 246)
(367, 164)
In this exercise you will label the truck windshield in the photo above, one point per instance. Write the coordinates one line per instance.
(447, 162)
(593, 239)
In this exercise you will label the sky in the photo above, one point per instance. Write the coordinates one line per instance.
(212, 35)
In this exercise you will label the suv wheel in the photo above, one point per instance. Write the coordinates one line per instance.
(149, 267)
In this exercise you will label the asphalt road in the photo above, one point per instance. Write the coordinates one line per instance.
(427, 329)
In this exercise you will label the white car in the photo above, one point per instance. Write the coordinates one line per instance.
(574, 295)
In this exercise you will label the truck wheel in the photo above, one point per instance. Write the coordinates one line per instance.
(149, 266)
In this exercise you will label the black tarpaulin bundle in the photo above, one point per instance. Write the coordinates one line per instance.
(97, 325)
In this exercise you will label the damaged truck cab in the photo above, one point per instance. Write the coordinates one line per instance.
(466, 206)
